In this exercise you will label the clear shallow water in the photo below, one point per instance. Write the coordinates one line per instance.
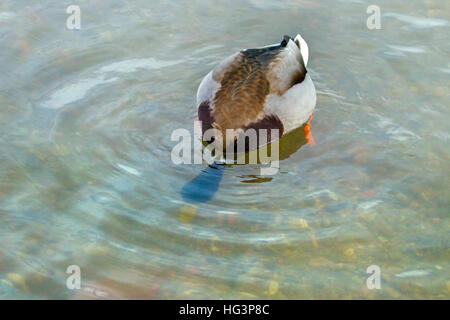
(86, 177)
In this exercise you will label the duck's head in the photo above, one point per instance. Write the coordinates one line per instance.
(303, 46)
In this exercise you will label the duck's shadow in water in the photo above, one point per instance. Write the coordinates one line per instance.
(205, 185)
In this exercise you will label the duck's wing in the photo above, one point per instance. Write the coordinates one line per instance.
(208, 88)
(212, 81)
(286, 68)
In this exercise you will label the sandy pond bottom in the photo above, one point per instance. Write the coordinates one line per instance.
(86, 177)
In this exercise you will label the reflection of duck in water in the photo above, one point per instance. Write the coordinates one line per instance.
(290, 144)
(265, 88)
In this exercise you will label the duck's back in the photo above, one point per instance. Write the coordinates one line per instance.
(234, 95)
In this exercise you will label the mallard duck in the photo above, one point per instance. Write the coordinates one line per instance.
(262, 88)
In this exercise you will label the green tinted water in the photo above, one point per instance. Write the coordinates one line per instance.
(86, 177)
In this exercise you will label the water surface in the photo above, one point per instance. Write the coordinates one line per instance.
(86, 177)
